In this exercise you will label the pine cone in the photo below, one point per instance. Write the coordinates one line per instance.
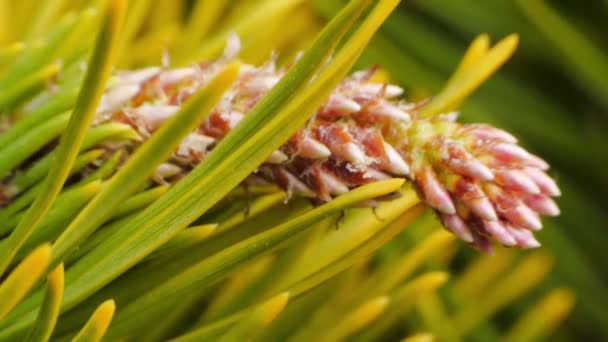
(481, 184)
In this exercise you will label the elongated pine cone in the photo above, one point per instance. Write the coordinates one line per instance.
(480, 182)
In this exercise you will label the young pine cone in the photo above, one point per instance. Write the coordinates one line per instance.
(480, 182)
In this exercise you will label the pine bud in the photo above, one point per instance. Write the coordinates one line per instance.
(499, 190)
(483, 186)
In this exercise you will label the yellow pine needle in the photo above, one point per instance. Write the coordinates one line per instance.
(482, 272)
(426, 283)
(357, 319)
(165, 13)
(470, 78)
(69, 146)
(421, 337)
(475, 52)
(150, 48)
(106, 169)
(88, 21)
(185, 239)
(307, 281)
(261, 317)
(258, 206)
(239, 282)
(272, 308)
(12, 20)
(380, 76)
(196, 232)
(367, 312)
(97, 325)
(241, 325)
(239, 10)
(351, 283)
(5, 22)
(23, 278)
(396, 272)
(204, 15)
(304, 41)
(529, 273)
(339, 303)
(404, 298)
(136, 15)
(303, 20)
(299, 250)
(49, 310)
(42, 20)
(241, 192)
(358, 225)
(190, 236)
(247, 26)
(172, 321)
(436, 319)
(201, 21)
(31, 81)
(543, 317)
(216, 267)
(256, 48)
(9, 52)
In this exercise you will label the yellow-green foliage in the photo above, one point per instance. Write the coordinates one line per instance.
(201, 259)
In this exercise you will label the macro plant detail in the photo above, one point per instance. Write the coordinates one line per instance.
(483, 186)
(197, 173)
